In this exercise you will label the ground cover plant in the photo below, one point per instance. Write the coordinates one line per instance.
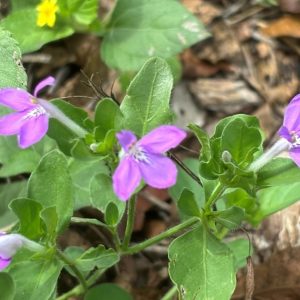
(47, 146)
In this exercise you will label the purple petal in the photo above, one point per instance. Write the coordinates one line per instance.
(33, 131)
(284, 133)
(162, 139)
(45, 82)
(15, 99)
(292, 117)
(10, 244)
(4, 263)
(295, 155)
(159, 171)
(126, 139)
(126, 178)
(295, 99)
(12, 123)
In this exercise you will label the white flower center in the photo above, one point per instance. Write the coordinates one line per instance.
(139, 154)
(295, 140)
(36, 112)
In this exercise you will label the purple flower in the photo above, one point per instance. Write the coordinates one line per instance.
(290, 130)
(144, 159)
(9, 245)
(30, 121)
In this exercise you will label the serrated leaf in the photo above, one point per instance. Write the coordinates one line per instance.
(22, 24)
(51, 185)
(139, 29)
(201, 266)
(203, 138)
(146, 104)
(12, 71)
(231, 217)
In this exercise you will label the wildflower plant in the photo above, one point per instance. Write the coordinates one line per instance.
(104, 162)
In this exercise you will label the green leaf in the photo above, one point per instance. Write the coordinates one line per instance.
(111, 214)
(279, 171)
(35, 280)
(146, 104)
(65, 138)
(187, 204)
(231, 217)
(22, 24)
(51, 185)
(97, 257)
(101, 193)
(240, 198)
(107, 117)
(201, 266)
(49, 217)
(82, 172)
(20, 4)
(241, 250)
(28, 213)
(139, 29)
(12, 72)
(8, 192)
(241, 141)
(273, 199)
(81, 12)
(107, 290)
(203, 138)
(7, 287)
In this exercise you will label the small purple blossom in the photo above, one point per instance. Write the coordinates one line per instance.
(9, 245)
(290, 130)
(144, 159)
(30, 121)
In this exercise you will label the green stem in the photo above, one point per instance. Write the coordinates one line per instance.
(73, 267)
(217, 192)
(170, 294)
(161, 236)
(79, 290)
(130, 222)
(116, 238)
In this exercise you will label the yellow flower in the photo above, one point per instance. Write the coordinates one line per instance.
(46, 13)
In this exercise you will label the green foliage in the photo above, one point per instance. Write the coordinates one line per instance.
(97, 257)
(7, 287)
(231, 218)
(35, 279)
(146, 104)
(28, 213)
(111, 214)
(241, 250)
(267, 2)
(8, 192)
(107, 290)
(139, 29)
(65, 138)
(101, 193)
(201, 266)
(12, 72)
(53, 170)
(184, 181)
(22, 24)
(188, 205)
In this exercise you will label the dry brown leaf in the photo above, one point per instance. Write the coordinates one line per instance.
(284, 26)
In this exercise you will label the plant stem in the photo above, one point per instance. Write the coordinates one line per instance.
(116, 238)
(78, 290)
(161, 236)
(130, 222)
(170, 294)
(73, 267)
(217, 192)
